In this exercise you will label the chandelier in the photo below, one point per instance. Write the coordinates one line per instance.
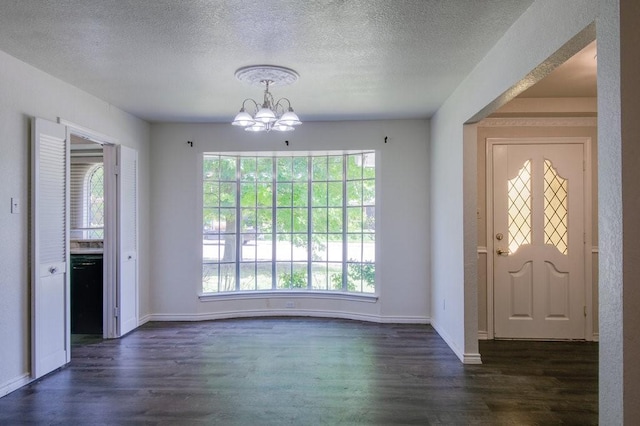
(270, 114)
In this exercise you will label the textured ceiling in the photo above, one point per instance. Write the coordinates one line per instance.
(576, 78)
(172, 60)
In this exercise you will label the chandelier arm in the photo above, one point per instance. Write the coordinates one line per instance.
(255, 105)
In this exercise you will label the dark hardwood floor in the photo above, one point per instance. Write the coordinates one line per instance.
(302, 371)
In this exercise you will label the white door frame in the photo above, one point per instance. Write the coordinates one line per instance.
(588, 279)
(109, 144)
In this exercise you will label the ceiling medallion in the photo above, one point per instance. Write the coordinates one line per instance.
(270, 114)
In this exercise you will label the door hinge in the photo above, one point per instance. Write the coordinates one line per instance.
(116, 312)
(585, 311)
(584, 165)
(116, 169)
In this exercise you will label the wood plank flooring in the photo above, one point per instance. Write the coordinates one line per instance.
(306, 371)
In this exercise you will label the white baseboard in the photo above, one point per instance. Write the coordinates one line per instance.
(14, 384)
(145, 319)
(466, 358)
(288, 313)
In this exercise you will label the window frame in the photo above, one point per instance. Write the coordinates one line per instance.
(366, 284)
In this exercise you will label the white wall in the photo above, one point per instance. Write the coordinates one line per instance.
(401, 232)
(26, 92)
(532, 40)
(546, 34)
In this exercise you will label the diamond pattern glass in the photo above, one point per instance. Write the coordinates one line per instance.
(519, 208)
(555, 209)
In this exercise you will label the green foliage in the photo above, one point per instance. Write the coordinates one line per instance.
(297, 279)
(356, 272)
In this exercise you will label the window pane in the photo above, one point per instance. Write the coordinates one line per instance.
(368, 192)
(300, 194)
(300, 250)
(369, 166)
(283, 247)
(264, 169)
(335, 276)
(283, 270)
(335, 220)
(319, 196)
(300, 220)
(369, 219)
(248, 247)
(285, 195)
(228, 169)
(228, 248)
(247, 276)
(319, 247)
(264, 194)
(248, 220)
(319, 218)
(300, 168)
(319, 276)
(211, 167)
(248, 169)
(248, 195)
(211, 199)
(354, 193)
(319, 168)
(354, 277)
(210, 277)
(368, 247)
(335, 194)
(227, 222)
(264, 249)
(227, 277)
(354, 166)
(354, 248)
(264, 223)
(264, 277)
(285, 172)
(211, 250)
(334, 248)
(355, 219)
(228, 194)
(335, 167)
(284, 220)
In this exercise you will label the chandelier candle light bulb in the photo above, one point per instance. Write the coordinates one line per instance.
(271, 114)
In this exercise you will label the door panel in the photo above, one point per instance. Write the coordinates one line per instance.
(50, 346)
(538, 209)
(127, 288)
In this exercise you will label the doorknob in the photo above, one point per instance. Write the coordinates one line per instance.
(502, 252)
(53, 270)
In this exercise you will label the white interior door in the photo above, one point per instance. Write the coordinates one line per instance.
(538, 214)
(127, 218)
(50, 312)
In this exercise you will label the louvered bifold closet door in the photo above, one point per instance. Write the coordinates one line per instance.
(127, 239)
(50, 251)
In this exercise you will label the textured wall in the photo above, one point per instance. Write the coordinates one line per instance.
(26, 92)
(401, 208)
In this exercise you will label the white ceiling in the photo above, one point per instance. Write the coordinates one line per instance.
(576, 78)
(171, 60)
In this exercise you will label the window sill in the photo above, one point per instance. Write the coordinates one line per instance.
(279, 294)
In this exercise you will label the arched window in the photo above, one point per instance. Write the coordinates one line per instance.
(94, 199)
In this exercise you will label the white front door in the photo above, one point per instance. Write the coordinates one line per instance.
(538, 241)
(50, 312)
